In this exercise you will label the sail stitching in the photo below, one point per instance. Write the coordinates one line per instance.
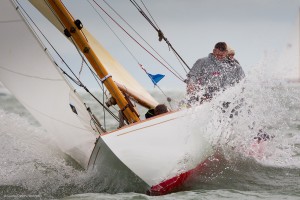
(53, 117)
(11, 21)
(26, 75)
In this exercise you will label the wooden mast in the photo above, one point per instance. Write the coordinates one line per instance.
(69, 23)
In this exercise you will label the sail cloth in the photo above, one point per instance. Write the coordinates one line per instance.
(113, 67)
(38, 84)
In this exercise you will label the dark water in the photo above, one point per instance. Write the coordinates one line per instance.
(32, 167)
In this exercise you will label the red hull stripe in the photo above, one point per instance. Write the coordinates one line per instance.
(174, 183)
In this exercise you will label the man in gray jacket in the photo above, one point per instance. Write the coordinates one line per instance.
(213, 73)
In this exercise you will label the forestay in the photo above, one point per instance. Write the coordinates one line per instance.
(39, 85)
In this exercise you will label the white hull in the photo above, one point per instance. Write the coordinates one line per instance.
(163, 147)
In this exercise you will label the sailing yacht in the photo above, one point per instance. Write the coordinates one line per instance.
(163, 151)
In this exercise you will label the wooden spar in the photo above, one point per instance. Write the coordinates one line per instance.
(68, 21)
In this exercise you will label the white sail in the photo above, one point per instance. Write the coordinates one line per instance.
(119, 74)
(28, 72)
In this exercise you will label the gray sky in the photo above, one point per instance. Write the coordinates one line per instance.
(193, 27)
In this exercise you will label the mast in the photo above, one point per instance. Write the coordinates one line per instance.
(299, 45)
(80, 40)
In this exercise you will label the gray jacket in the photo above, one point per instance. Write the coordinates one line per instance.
(213, 75)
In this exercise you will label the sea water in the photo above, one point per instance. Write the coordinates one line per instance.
(33, 167)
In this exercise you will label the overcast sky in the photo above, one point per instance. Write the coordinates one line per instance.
(251, 27)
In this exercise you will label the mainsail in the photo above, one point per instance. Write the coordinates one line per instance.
(126, 82)
(26, 71)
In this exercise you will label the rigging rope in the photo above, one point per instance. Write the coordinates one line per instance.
(168, 98)
(139, 64)
(149, 14)
(159, 31)
(114, 33)
(180, 78)
(135, 33)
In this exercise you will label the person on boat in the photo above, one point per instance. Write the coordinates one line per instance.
(159, 109)
(212, 74)
(149, 113)
(230, 56)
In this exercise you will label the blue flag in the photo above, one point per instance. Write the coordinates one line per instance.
(155, 78)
